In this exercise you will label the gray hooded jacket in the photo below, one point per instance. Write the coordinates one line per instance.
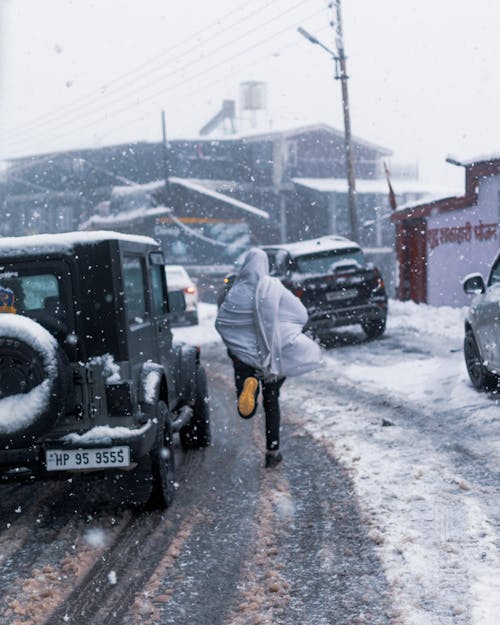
(261, 322)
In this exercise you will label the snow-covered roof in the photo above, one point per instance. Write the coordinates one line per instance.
(124, 217)
(288, 131)
(216, 195)
(376, 186)
(482, 158)
(63, 243)
(130, 189)
(310, 246)
(428, 199)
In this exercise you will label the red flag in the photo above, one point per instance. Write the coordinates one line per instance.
(392, 196)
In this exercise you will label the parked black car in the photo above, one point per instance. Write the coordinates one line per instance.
(482, 329)
(334, 281)
(90, 379)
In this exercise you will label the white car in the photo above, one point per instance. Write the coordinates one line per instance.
(180, 285)
(482, 329)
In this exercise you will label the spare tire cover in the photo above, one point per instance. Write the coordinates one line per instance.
(31, 380)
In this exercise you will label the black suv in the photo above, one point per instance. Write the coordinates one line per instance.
(334, 281)
(90, 379)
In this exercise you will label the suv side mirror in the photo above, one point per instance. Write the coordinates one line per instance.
(473, 284)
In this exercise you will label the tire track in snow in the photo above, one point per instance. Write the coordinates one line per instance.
(150, 547)
(19, 517)
(324, 560)
(110, 586)
(196, 580)
(52, 579)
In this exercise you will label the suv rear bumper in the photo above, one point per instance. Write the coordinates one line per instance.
(325, 320)
(33, 458)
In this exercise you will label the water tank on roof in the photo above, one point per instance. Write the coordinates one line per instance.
(253, 95)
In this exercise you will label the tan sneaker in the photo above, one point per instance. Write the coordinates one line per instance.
(247, 401)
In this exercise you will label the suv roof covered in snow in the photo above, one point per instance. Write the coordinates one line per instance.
(322, 244)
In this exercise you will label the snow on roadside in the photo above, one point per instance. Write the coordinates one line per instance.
(434, 528)
(434, 538)
(203, 333)
(432, 522)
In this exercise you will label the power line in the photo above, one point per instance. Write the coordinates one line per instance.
(38, 160)
(132, 87)
(97, 94)
(191, 78)
(293, 43)
(117, 100)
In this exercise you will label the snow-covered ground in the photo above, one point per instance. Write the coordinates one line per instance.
(422, 447)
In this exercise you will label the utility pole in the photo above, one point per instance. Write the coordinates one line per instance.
(341, 74)
(166, 163)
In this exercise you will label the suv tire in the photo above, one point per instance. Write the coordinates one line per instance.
(23, 368)
(197, 432)
(481, 378)
(162, 461)
(374, 329)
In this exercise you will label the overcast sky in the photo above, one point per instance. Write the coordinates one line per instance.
(424, 77)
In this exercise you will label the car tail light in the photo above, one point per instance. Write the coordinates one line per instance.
(299, 292)
(190, 289)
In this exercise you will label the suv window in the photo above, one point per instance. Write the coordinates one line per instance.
(279, 262)
(34, 292)
(159, 295)
(495, 272)
(135, 292)
(325, 262)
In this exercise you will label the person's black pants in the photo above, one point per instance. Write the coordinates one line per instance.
(270, 398)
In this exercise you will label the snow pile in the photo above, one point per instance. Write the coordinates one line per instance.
(202, 334)
(443, 321)
(110, 370)
(18, 411)
(103, 434)
(151, 374)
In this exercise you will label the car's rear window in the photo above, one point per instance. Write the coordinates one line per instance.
(329, 261)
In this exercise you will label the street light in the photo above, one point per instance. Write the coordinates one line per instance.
(341, 74)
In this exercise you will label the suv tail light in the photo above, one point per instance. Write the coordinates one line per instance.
(190, 289)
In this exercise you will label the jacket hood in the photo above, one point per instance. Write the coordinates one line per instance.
(255, 266)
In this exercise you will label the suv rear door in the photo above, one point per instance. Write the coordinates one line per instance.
(140, 324)
(169, 353)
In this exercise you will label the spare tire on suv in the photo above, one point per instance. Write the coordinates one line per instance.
(34, 377)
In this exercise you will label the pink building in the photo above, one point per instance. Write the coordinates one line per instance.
(439, 242)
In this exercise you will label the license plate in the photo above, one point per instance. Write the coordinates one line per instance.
(331, 296)
(81, 459)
